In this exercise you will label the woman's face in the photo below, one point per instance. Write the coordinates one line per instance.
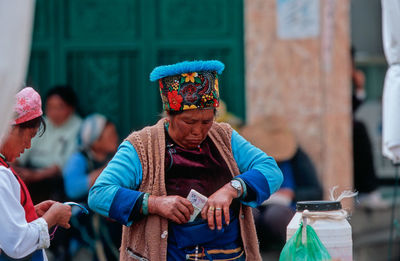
(108, 140)
(17, 141)
(57, 110)
(189, 129)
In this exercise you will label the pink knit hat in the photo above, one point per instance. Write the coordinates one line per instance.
(28, 105)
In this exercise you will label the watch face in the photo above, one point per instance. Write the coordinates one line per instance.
(236, 184)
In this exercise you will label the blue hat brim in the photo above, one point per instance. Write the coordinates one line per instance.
(186, 67)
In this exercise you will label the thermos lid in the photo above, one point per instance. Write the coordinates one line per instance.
(318, 205)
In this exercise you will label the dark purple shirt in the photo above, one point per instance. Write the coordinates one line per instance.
(202, 169)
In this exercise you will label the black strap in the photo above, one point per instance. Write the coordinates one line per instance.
(3, 161)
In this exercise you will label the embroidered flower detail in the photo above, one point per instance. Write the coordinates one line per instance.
(22, 106)
(175, 85)
(175, 100)
(187, 107)
(207, 97)
(189, 93)
(216, 86)
(216, 103)
(22, 101)
(189, 76)
(28, 105)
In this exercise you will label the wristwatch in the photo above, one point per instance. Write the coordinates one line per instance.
(238, 186)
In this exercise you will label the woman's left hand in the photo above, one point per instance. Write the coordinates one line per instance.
(218, 204)
(42, 207)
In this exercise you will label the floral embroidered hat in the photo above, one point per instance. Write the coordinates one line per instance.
(28, 106)
(188, 85)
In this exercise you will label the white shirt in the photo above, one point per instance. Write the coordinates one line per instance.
(391, 90)
(18, 238)
(55, 146)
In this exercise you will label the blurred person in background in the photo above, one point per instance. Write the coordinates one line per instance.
(98, 141)
(41, 166)
(223, 115)
(365, 179)
(300, 183)
(145, 186)
(24, 226)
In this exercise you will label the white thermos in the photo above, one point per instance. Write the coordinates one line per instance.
(328, 219)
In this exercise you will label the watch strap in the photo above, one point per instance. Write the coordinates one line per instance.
(244, 187)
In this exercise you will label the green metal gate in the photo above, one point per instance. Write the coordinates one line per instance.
(106, 49)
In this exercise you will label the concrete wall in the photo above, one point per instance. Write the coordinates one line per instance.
(308, 81)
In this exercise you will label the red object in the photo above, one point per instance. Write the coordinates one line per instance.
(28, 105)
(26, 201)
(175, 100)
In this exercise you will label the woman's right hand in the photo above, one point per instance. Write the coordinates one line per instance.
(175, 208)
(58, 214)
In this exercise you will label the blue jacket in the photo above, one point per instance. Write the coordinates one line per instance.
(115, 191)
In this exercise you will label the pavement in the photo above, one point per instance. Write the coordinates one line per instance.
(371, 230)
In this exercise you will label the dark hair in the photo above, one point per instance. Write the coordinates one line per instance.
(66, 93)
(353, 52)
(34, 123)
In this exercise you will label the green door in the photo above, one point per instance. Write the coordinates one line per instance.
(106, 50)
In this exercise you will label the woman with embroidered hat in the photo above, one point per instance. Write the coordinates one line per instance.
(24, 227)
(145, 186)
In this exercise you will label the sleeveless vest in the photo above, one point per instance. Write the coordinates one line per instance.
(26, 201)
(147, 238)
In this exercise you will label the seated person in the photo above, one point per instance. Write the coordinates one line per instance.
(300, 179)
(98, 140)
